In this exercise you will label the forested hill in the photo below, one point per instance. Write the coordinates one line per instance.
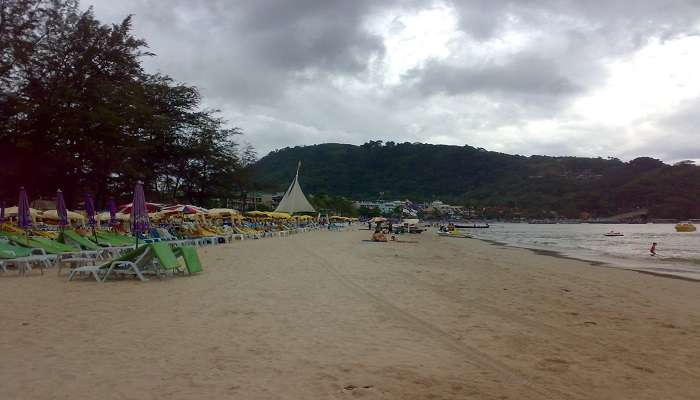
(476, 177)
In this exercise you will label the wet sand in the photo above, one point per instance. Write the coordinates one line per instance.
(324, 315)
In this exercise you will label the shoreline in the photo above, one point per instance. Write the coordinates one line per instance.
(671, 274)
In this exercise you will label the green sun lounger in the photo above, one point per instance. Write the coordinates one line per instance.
(50, 246)
(71, 237)
(165, 256)
(125, 264)
(8, 251)
(113, 239)
(153, 257)
(189, 254)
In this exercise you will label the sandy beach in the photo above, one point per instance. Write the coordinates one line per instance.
(325, 315)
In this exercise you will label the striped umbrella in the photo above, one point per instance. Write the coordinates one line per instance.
(139, 213)
(112, 212)
(24, 218)
(61, 210)
(90, 210)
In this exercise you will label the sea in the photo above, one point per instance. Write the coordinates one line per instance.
(678, 253)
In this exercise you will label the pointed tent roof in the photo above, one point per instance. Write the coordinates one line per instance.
(294, 199)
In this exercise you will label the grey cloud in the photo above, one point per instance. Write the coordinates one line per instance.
(624, 22)
(522, 74)
(677, 136)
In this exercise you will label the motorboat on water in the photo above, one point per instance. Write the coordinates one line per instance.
(475, 225)
(453, 233)
(614, 233)
(685, 226)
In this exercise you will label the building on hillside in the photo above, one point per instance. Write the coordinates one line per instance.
(447, 209)
(385, 207)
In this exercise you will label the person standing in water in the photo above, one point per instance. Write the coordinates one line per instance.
(652, 249)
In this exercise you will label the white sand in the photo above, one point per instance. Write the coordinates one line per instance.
(326, 316)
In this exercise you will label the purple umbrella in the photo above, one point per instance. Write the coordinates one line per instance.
(112, 212)
(61, 209)
(139, 214)
(90, 210)
(24, 218)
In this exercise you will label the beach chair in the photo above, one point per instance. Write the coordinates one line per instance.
(157, 258)
(191, 258)
(71, 237)
(50, 246)
(164, 259)
(113, 239)
(127, 264)
(23, 258)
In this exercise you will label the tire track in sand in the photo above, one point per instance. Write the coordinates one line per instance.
(471, 354)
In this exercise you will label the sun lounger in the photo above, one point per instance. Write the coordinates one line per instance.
(71, 237)
(157, 258)
(127, 264)
(189, 254)
(23, 258)
(8, 251)
(49, 245)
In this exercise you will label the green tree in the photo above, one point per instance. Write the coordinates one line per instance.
(78, 112)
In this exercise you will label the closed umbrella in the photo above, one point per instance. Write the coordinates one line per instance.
(90, 211)
(112, 212)
(139, 213)
(2, 212)
(61, 210)
(24, 218)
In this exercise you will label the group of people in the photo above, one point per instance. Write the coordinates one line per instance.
(379, 234)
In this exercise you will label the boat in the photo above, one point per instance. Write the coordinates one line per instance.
(455, 234)
(685, 226)
(613, 233)
(472, 226)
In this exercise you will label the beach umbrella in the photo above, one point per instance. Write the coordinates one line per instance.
(90, 210)
(24, 218)
(183, 209)
(61, 210)
(139, 212)
(151, 207)
(106, 217)
(52, 215)
(112, 212)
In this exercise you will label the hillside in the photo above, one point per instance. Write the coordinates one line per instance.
(472, 176)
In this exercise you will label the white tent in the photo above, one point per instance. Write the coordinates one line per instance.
(294, 199)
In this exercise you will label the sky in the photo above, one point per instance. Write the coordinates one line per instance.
(608, 78)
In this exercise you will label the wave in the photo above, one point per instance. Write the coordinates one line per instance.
(682, 260)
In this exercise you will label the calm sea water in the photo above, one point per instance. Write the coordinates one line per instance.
(677, 253)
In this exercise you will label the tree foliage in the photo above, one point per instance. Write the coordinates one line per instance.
(78, 112)
(497, 183)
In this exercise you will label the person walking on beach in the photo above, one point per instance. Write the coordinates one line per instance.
(652, 249)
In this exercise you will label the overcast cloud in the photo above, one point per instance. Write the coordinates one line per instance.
(591, 78)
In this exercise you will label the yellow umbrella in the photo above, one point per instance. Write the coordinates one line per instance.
(12, 212)
(279, 215)
(223, 212)
(257, 213)
(104, 216)
(53, 215)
